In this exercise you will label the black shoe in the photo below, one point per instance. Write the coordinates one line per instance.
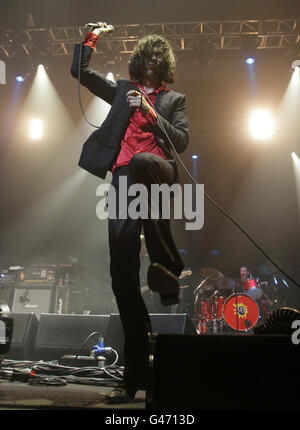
(165, 283)
(120, 395)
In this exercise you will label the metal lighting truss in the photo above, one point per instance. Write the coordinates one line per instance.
(59, 41)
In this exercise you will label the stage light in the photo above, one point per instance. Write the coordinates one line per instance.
(296, 167)
(249, 47)
(20, 78)
(194, 156)
(36, 129)
(261, 124)
(296, 75)
(295, 64)
(250, 60)
(41, 72)
(110, 76)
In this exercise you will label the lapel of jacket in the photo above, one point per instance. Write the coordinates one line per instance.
(160, 104)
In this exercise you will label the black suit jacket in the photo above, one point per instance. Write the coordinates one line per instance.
(102, 147)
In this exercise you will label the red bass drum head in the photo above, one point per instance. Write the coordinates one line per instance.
(241, 312)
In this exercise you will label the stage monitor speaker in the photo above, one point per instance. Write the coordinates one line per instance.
(23, 338)
(33, 298)
(223, 372)
(161, 323)
(60, 335)
(6, 331)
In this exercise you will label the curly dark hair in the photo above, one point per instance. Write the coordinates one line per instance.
(143, 49)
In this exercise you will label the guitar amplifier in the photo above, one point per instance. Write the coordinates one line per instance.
(33, 298)
(71, 299)
(7, 276)
(37, 274)
(6, 293)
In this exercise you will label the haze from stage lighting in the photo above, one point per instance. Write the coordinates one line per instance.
(296, 76)
(296, 165)
(43, 112)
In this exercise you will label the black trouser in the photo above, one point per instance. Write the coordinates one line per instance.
(125, 245)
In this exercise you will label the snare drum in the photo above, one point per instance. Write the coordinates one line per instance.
(241, 312)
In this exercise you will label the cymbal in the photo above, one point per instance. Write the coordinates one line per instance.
(208, 272)
(224, 283)
(207, 286)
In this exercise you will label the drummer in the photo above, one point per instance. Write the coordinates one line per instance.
(264, 303)
(244, 275)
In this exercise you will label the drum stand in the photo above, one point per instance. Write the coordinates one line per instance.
(217, 325)
(236, 309)
(237, 313)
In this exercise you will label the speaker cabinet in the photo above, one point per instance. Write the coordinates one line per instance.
(223, 372)
(65, 334)
(33, 298)
(71, 299)
(6, 294)
(161, 323)
(6, 331)
(23, 338)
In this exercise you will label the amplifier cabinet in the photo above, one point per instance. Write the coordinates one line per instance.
(36, 275)
(71, 299)
(33, 298)
(6, 294)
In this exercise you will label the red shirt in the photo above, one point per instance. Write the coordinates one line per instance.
(138, 136)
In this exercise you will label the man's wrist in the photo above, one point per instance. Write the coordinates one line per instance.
(90, 39)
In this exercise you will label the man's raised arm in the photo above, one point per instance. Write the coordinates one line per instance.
(94, 81)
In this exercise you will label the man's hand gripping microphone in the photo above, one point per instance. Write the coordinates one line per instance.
(100, 28)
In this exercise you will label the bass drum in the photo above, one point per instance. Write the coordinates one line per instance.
(240, 312)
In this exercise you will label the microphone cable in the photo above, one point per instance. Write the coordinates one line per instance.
(223, 211)
(78, 80)
(208, 197)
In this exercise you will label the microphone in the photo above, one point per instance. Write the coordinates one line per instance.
(138, 90)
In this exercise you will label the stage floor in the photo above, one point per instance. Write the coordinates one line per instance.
(19, 395)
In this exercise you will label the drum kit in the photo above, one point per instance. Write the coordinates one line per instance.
(218, 306)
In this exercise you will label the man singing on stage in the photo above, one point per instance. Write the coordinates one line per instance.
(132, 143)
